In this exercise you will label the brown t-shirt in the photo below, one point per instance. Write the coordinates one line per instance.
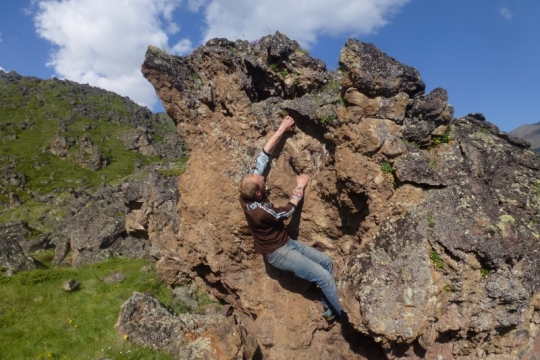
(266, 223)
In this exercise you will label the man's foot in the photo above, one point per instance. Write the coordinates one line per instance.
(343, 318)
(328, 315)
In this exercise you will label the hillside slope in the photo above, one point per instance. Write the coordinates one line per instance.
(530, 133)
(66, 150)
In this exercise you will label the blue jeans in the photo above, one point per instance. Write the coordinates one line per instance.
(309, 264)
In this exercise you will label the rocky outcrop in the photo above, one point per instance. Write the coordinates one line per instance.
(12, 256)
(431, 221)
(146, 321)
(94, 229)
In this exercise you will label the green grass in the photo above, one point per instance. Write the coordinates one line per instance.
(332, 86)
(45, 105)
(387, 168)
(39, 320)
(177, 169)
(431, 223)
(328, 119)
(444, 139)
(484, 273)
(436, 258)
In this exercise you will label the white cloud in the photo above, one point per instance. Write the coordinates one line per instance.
(506, 13)
(104, 44)
(302, 20)
(1, 68)
(182, 47)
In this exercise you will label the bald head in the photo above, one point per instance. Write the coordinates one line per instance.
(252, 186)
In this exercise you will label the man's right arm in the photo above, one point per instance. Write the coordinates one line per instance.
(262, 161)
(264, 156)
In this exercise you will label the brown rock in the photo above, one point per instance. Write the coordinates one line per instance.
(147, 322)
(454, 231)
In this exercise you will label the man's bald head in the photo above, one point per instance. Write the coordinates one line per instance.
(252, 186)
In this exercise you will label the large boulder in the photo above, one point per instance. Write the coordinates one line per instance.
(374, 73)
(147, 322)
(12, 257)
(431, 221)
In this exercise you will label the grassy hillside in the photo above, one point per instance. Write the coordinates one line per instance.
(34, 111)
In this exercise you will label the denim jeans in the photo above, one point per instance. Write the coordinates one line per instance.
(309, 264)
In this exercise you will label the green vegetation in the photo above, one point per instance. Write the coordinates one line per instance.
(431, 223)
(484, 273)
(388, 171)
(485, 130)
(275, 68)
(450, 288)
(537, 188)
(28, 124)
(195, 76)
(387, 168)
(436, 258)
(33, 121)
(326, 120)
(332, 86)
(444, 139)
(177, 169)
(39, 320)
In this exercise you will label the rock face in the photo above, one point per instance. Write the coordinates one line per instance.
(432, 222)
(146, 321)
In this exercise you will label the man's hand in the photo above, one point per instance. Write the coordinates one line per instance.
(286, 125)
(302, 180)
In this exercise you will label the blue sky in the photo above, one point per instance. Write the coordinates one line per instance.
(486, 53)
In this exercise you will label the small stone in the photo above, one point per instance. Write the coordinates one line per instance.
(71, 285)
(115, 278)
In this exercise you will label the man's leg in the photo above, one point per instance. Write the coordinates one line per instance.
(290, 258)
(318, 257)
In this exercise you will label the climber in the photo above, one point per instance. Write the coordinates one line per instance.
(270, 236)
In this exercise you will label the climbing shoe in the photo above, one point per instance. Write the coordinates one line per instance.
(328, 315)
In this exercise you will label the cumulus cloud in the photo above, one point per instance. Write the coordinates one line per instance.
(506, 13)
(104, 45)
(302, 20)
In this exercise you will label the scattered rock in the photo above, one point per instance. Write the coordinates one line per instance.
(71, 285)
(149, 323)
(115, 278)
(12, 257)
(183, 296)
